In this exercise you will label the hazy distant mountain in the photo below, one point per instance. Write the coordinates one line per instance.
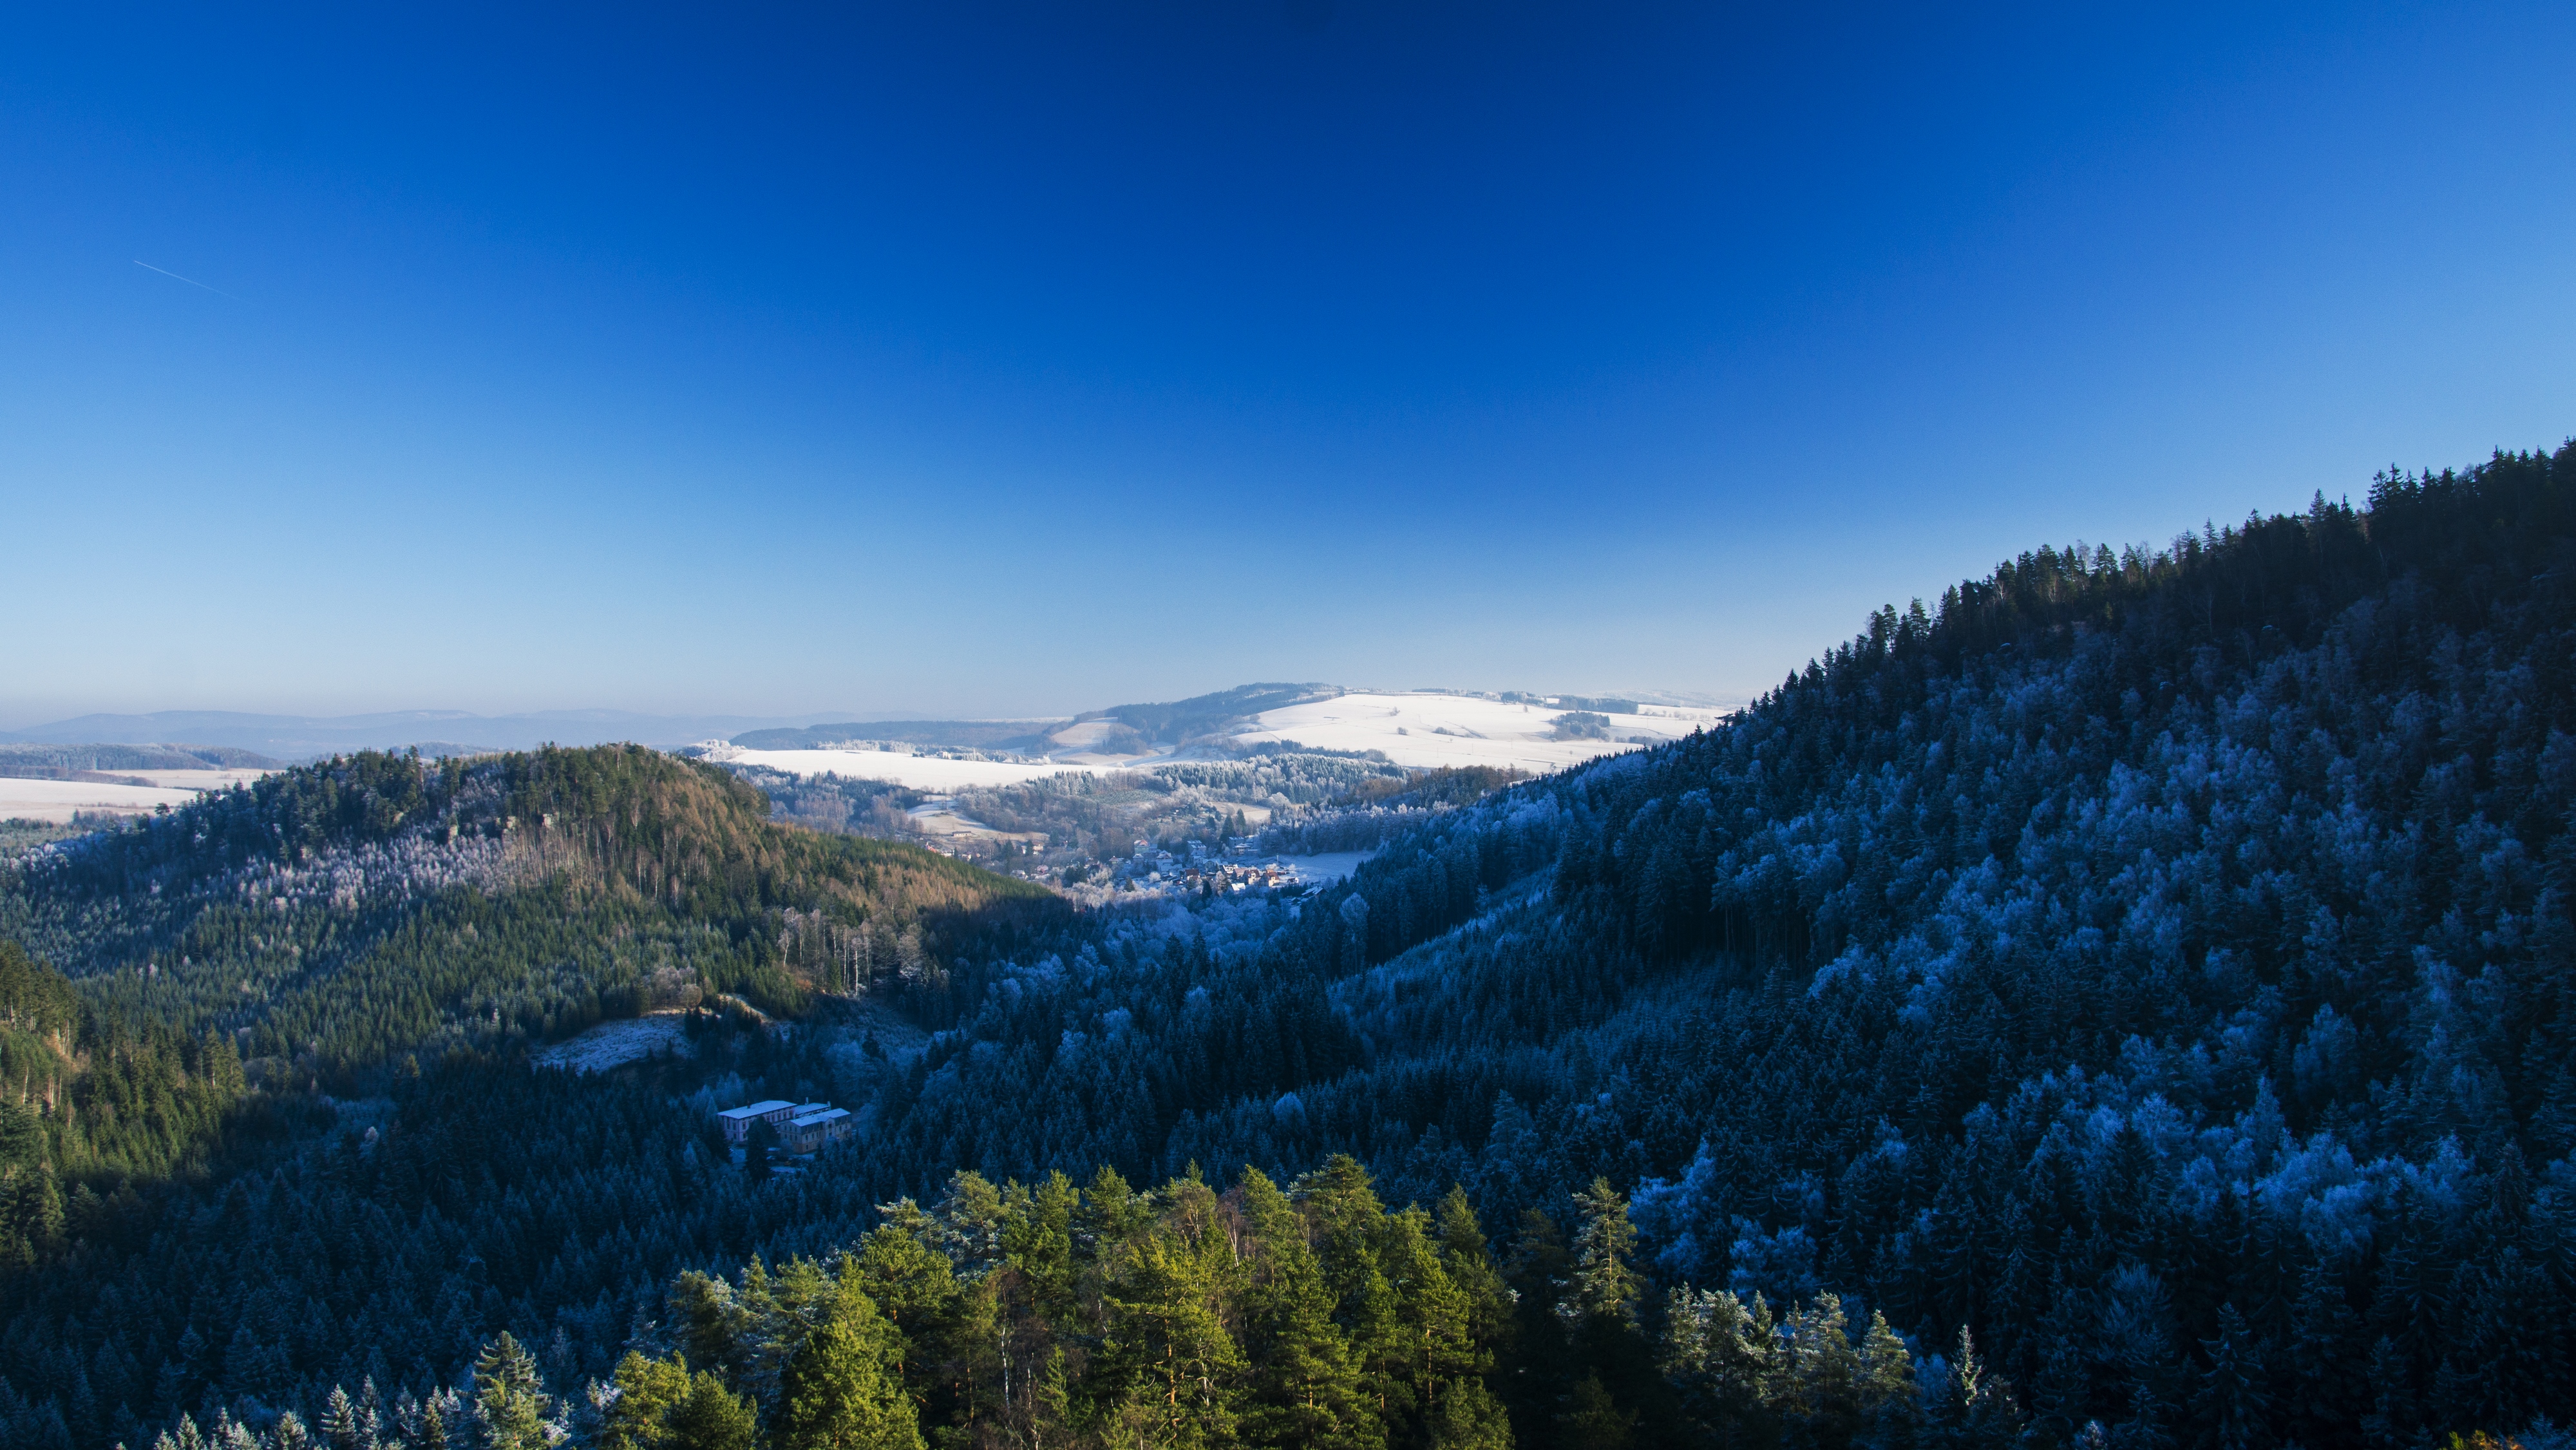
(65, 761)
(971, 734)
(460, 732)
(302, 737)
(1180, 720)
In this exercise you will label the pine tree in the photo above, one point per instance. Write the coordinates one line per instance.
(969, 1224)
(1437, 1317)
(1349, 1222)
(1468, 1417)
(1111, 1214)
(1822, 1369)
(712, 1325)
(646, 1391)
(842, 1389)
(1540, 1371)
(911, 1284)
(1463, 1251)
(1170, 1372)
(711, 1418)
(1304, 1387)
(1594, 1420)
(1037, 1239)
(1967, 1405)
(1720, 1355)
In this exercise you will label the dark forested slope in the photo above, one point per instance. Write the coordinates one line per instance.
(344, 911)
(2153, 967)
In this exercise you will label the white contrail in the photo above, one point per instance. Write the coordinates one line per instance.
(191, 281)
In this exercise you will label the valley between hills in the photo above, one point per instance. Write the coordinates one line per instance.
(2126, 1000)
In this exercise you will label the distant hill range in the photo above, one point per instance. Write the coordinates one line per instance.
(434, 732)
(71, 762)
(1173, 723)
(1184, 720)
(1030, 735)
(267, 740)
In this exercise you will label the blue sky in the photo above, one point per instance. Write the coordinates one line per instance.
(993, 360)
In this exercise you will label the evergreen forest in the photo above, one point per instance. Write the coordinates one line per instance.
(2126, 1001)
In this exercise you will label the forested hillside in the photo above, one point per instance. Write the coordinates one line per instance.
(2126, 1003)
(333, 915)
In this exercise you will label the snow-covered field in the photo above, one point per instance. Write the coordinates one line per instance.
(1416, 729)
(1325, 866)
(1083, 734)
(938, 816)
(194, 779)
(919, 772)
(57, 800)
(1430, 730)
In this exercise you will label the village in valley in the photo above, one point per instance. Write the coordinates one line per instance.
(1198, 872)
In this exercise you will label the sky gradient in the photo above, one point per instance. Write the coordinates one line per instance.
(978, 360)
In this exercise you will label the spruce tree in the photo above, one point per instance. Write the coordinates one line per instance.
(340, 1421)
(2232, 1399)
(435, 1433)
(510, 1400)
(1887, 1391)
(1602, 1286)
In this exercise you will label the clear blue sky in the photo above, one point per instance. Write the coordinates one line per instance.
(984, 360)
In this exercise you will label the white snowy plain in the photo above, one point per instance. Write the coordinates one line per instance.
(1418, 729)
(58, 800)
(1429, 730)
(919, 772)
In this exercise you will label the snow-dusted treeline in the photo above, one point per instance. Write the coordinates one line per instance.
(2146, 972)
(2157, 964)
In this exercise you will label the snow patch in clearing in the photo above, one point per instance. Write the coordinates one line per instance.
(615, 1044)
(1324, 865)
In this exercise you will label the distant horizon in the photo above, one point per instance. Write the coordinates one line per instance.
(979, 358)
(26, 732)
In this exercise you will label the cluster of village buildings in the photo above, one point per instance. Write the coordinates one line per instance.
(1203, 869)
(801, 1127)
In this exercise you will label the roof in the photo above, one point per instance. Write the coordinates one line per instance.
(757, 1110)
(828, 1115)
